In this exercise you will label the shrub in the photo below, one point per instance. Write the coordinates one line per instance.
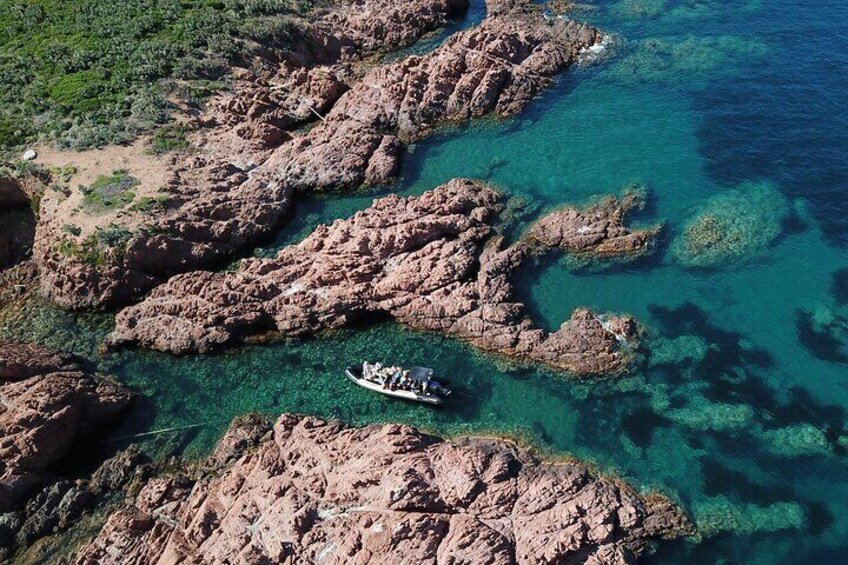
(95, 72)
(109, 192)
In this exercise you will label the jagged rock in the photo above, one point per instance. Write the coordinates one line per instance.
(426, 260)
(47, 402)
(597, 230)
(125, 467)
(363, 27)
(496, 68)
(54, 508)
(321, 491)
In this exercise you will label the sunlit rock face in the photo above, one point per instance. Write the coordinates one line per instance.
(311, 491)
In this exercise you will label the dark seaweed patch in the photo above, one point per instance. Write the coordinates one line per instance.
(726, 351)
(839, 287)
(639, 425)
(719, 479)
(819, 518)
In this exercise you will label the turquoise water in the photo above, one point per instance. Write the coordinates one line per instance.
(739, 408)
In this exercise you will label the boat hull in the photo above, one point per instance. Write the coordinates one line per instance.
(356, 376)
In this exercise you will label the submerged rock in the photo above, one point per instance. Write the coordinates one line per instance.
(732, 226)
(823, 330)
(720, 514)
(797, 441)
(315, 491)
(427, 261)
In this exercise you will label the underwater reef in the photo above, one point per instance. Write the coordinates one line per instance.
(732, 226)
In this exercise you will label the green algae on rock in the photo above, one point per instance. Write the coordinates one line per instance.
(732, 226)
(719, 514)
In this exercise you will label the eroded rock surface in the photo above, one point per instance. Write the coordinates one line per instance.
(427, 261)
(47, 402)
(597, 230)
(238, 185)
(316, 491)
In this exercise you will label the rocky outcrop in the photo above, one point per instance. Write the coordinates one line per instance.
(360, 28)
(218, 203)
(59, 505)
(597, 230)
(427, 261)
(238, 186)
(47, 402)
(315, 491)
(495, 69)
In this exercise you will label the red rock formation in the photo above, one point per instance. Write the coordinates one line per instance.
(46, 402)
(424, 260)
(597, 230)
(496, 68)
(316, 491)
(239, 187)
(218, 207)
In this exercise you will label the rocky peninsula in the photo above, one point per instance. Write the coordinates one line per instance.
(308, 490)
(252, 154)
(431, 262)
(597, 230)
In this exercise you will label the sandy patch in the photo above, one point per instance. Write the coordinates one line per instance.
(152, 171)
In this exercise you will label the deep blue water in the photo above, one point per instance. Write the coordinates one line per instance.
(727, 109)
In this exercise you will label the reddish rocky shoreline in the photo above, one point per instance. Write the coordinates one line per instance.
(429, 261)
(48, 402)
(300, 490)
(308, 490)
(251, 158)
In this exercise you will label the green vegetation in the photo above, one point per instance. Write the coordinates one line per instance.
(149, 204)
(95, 72)
(63, 173)
(71, 229)
(97, 247)
(169, 138)
(109, 193)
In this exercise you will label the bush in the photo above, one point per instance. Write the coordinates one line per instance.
(96, 72)
(109, 192)
(169, 138)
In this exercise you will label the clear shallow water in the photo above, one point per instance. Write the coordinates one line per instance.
(732, 412)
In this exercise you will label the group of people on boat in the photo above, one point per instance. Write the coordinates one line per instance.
(398, 378)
